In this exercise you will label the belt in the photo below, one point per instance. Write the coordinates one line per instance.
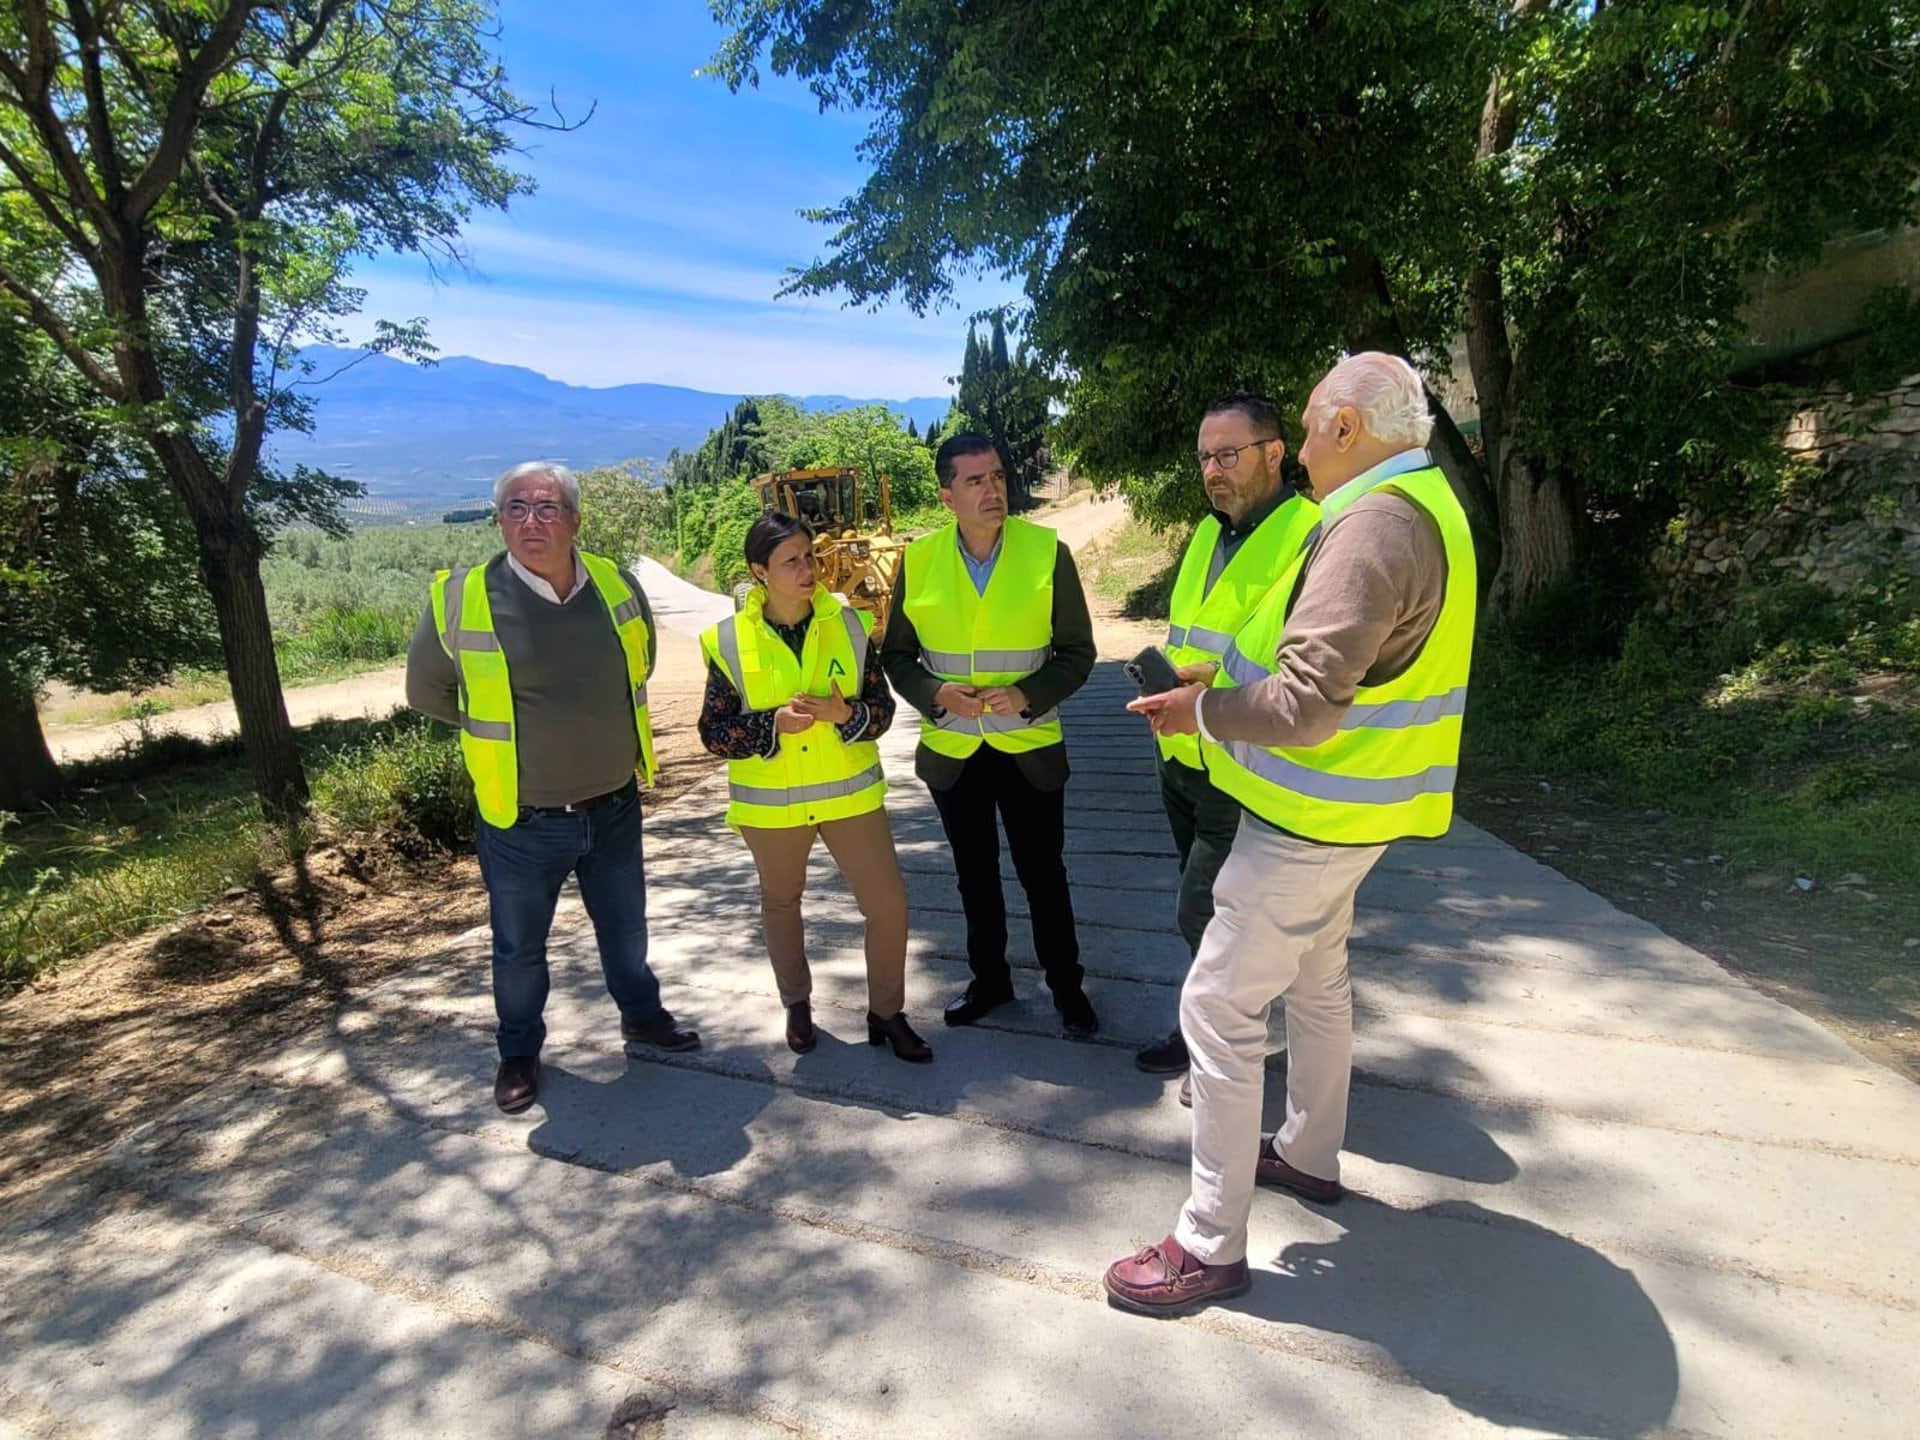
(590, 803)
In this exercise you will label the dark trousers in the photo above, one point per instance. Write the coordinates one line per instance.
(524, 867)
(991, 783)
(1204, 822)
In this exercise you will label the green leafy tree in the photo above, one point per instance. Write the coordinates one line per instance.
(1007, 397)
(625, 511)
(1201, 196)
(97, 579)
(870, 436)
(208, 170)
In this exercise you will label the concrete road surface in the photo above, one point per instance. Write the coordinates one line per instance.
(1599, 1188)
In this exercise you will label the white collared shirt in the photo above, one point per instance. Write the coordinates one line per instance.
(541, 588)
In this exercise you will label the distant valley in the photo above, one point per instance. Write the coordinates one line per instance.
(438, 434)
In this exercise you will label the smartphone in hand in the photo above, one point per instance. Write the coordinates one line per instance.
(1152, 671)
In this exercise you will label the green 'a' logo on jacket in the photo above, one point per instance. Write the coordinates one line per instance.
(834, 667)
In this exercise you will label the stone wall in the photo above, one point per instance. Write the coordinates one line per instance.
(1848, 522)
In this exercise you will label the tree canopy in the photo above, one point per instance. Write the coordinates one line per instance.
(208, 172)
(1200, 196)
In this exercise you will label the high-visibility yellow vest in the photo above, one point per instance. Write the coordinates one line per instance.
(488, 736)
(1201, 622)
(1388, 772)
(814, 775)
(998, 638)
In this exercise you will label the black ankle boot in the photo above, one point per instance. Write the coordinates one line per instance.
(899, 1034)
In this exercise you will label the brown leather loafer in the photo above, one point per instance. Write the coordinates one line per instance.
(800, 1036)
(1164, 1279)
(516, 1083)
(895, 1031)
(662, 1034)
(1272, 1170)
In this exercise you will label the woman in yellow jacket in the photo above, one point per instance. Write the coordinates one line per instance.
(795, 701)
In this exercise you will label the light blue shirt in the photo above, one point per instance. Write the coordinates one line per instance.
(980, 571)
(1366, 480)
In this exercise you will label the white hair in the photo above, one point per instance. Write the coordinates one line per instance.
(1387, 392)
(549, 469)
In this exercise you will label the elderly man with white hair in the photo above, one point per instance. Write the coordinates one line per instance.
(541, 657)
(1335, 722)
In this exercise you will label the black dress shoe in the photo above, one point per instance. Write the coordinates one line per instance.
(516, 1083)
(1164, 1057)
(899, 1034)
(800, 1036)
(662, 1034)
(1076, 1013)
(976, 1000)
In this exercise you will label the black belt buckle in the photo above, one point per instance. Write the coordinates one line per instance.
(592, 802)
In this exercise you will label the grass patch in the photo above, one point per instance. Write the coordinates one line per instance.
(163, 829)
(1786, 777)
(1134, 566)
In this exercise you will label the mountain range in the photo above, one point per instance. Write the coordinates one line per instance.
(441, 432)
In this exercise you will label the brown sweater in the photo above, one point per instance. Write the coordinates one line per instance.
(1369, 595)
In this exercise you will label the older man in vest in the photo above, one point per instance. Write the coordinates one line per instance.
(541, 657)
(1335, 722)
(1254, 526)
(988, 633)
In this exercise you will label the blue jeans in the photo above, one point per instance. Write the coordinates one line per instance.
(524, 867)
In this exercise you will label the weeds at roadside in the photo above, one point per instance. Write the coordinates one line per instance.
(157, 832)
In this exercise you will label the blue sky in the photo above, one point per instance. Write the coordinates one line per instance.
(661, 230)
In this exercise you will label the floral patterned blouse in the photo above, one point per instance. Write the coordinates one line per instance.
(728, 729)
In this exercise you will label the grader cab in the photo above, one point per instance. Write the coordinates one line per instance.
(854, 549)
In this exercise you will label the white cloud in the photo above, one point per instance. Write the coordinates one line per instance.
(800, 346)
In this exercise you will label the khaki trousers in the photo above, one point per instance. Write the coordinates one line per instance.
(1283, 908)
(863, 849)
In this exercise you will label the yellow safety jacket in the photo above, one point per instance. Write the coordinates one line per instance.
(814, 776)
(1200, 621)
(999, 638)
(1388, 772)
(464, 619)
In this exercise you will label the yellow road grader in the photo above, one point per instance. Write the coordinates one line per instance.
(854, 548)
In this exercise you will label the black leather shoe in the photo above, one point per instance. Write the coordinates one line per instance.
(800, 1036)
(976, 1000)
(1186, 1090)
(1164, 1057)
(1076, 1013)
(516, 1083)
(662, 1034)
(899, 1034)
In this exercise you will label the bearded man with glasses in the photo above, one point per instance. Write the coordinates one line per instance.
(541, 657)
(1255, 524)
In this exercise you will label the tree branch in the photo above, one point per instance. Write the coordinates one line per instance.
(106, 153)
(184, 113)
(55, 328)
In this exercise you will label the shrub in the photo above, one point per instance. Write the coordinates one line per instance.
(406, 781)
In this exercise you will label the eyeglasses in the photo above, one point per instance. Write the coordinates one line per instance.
(1228, 456)
(546, 511)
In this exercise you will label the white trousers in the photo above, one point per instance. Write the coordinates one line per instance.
(1283, 908)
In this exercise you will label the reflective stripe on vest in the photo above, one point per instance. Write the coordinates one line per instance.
(1388, 772)
(813, 776)
(1202, 619)
(463, 615)
(806, 794)
(993, 639)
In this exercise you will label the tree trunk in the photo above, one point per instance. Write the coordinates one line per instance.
(230, 565)
(28, 775)
(1537, 532)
